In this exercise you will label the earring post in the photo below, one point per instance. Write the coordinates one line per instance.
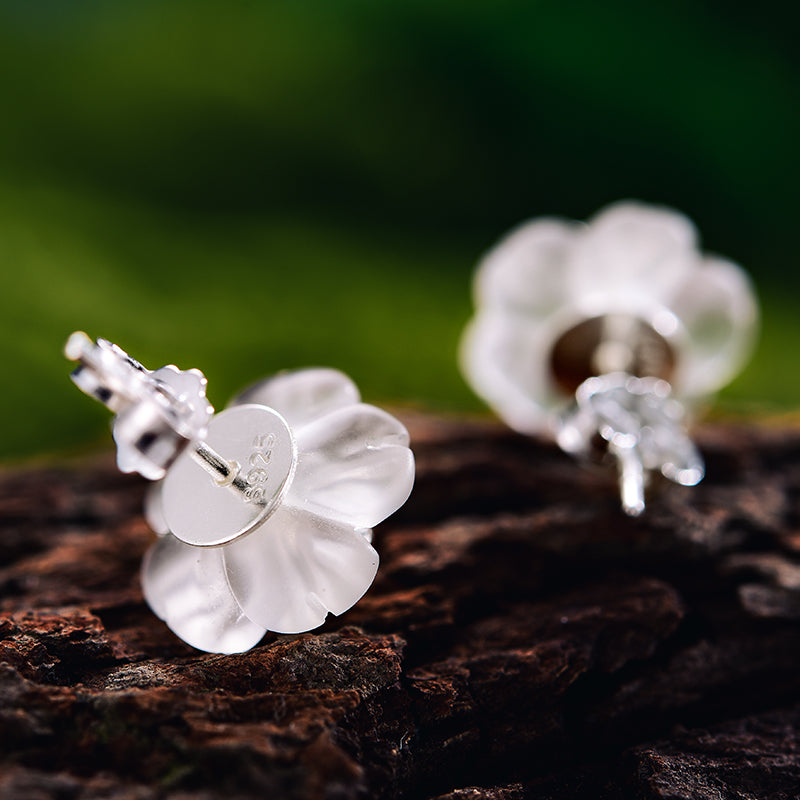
(124, 386)
(631, 479)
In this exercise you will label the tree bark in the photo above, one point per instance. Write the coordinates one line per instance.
(523, 639)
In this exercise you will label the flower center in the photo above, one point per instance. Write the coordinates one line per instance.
(610, 343)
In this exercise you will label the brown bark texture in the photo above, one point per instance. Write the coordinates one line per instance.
(523, 639)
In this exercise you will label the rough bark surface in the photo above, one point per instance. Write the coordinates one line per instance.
(523, 639)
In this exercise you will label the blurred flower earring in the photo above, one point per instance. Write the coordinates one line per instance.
(618, 327)
(264, 510)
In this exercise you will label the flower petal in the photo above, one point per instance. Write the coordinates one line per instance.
(353, 465)
(506, 359)
(296, 567)
(186, 587)
(154, 508)
(630, 256)
(302, 395)
(718, 309)
(525, 271)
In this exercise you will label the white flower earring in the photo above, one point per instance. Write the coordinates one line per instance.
(264, 511)
(617, 328)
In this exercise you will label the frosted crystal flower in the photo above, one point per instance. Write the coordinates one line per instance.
(627, 294)
(347, 467)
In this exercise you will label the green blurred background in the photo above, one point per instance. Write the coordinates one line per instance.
(249, 186)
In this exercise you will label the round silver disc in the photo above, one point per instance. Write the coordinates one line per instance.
(201, 512)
